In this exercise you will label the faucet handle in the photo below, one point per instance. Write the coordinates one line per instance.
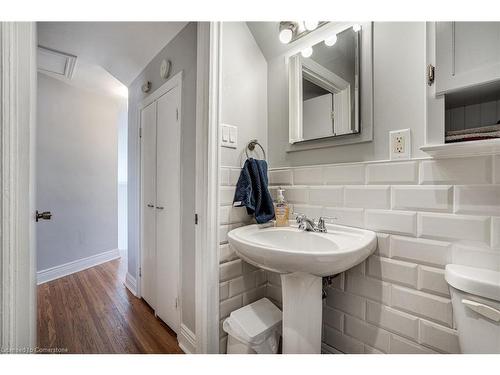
(299, 216)
(321, 222)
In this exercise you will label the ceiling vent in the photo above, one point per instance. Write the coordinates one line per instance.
(56, 62)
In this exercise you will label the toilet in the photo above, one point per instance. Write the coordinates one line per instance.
(475, 297)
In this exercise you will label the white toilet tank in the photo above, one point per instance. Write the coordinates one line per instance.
(475, 297)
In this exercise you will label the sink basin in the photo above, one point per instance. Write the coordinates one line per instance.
(302, 258)
(288, 249)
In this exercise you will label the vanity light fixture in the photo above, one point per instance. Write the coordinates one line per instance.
(290, 31)
(287, 29)
(311, 25)
(307, 52)
(331, 40)
(356, 27)
(286, 36)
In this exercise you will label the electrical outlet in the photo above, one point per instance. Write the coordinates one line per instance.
(399, 144)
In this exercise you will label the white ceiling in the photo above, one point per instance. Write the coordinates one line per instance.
(266, 36)
(121, 48)
(92, 77)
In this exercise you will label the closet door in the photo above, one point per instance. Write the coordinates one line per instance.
(148, 202)
(168, 208)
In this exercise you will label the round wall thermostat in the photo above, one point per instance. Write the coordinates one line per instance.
(165, 69)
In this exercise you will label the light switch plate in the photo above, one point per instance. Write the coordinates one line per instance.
(400, 144)
(229, 136)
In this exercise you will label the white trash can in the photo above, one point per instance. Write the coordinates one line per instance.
(255, 328)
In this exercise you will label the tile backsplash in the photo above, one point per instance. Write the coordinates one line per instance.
(239, 282)
(427, 213)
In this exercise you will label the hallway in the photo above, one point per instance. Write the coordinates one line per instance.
(92, 312)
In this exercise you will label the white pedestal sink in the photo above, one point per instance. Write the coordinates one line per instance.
(302, 259)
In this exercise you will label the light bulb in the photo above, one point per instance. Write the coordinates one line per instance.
(356, 27)
(307, 52)
(310, 25)
(330, 41)
(285, 36)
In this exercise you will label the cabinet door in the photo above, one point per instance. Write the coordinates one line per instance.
(148, 203)
(467, 54)
(168, 212)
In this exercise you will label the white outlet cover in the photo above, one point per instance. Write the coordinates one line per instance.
(400, 144)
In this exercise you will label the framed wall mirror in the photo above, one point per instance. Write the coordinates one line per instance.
(325, 82)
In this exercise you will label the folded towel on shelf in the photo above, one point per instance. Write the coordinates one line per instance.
(473, 134)
(252, 191)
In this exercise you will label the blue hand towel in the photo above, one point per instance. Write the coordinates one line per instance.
(252, 191)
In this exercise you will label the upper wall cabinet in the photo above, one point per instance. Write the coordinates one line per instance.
(467, 54)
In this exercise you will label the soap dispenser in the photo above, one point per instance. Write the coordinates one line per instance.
(281, 209)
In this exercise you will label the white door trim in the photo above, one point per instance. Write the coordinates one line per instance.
(175, 81)
(207, 187)
(17, 198)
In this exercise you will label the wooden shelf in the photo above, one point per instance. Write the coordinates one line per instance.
(485, 147)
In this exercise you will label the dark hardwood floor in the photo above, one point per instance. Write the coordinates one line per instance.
(93, 312)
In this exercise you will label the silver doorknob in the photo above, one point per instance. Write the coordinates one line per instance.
(46, 215)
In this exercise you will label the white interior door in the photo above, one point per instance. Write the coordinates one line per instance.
(168, 207)
(148, 203)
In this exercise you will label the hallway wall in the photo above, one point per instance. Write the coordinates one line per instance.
(76, 172)
(122, 181)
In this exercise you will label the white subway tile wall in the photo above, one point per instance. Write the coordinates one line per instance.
(496, 169)
(367, 196)
(240, 282)
(473, 170)
(423, 211)
(392, 173)
(422, 198)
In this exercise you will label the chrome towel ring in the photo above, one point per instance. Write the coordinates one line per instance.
(251, 146)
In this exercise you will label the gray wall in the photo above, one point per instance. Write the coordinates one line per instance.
(399, 99)
(243, 91)
(243, 104)
(76, 172)
(182, 52)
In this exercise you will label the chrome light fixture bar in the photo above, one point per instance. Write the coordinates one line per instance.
(290, 31)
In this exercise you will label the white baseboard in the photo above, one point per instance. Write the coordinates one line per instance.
(131, 284)
(187, 340)
(123, 253)
(56, 272)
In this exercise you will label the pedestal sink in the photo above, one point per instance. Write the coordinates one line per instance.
(302, 258)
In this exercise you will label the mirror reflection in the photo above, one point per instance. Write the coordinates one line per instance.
(326, 88)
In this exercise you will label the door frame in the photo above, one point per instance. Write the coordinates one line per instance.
(18, 79)
(207, 186)
(170, 84)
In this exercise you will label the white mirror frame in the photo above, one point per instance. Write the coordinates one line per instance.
(364, 115)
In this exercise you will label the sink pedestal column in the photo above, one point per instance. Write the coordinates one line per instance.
(302, 313)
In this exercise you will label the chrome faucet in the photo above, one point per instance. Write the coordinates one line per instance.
(306, 224)
(309, 225)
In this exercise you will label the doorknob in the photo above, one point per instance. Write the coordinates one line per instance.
(46, 215)
(151, 205)
(160, 207)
